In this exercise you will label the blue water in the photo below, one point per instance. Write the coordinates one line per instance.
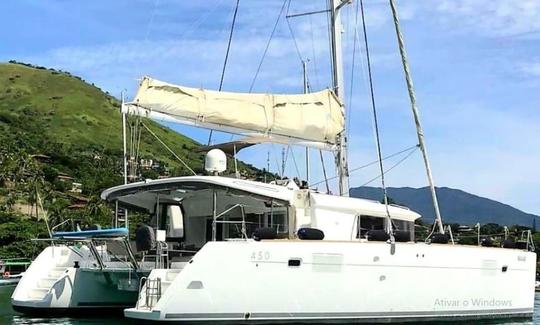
(8, 316)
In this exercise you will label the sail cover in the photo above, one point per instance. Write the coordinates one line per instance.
(315, 117)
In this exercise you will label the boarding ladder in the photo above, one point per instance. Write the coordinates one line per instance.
(152, 292)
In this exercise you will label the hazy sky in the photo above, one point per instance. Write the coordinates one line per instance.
(475, 64)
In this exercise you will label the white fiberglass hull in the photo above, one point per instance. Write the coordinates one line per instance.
(52, 285)
(345, 281)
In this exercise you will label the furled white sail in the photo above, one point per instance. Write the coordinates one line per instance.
(302, 118)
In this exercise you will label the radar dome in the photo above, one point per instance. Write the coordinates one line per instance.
(215, 162)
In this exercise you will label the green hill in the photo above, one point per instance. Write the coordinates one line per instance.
(66, 110)
(62, 138)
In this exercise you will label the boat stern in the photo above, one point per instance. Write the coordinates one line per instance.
(143, 314)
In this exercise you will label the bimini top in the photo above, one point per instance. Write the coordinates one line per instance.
(100, 233)
(143, 195)
(194, 183)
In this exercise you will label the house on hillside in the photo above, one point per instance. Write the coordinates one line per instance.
(146, 163)
(70, 184)
(78, 202)
(76, 187)
(64, 178)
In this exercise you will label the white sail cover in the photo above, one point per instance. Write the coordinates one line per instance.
(316, 117)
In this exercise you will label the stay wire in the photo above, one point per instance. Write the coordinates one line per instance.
(351, 87)
(292, 33)
(267, 46)
(375, 122)
(369, 164)
(169, 149)
(226, 57)
(229, 45)
(329, 31)
(295, 164)
(393, 166)
(315, 69)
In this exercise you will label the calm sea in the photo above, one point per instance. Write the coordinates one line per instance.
(8, 316)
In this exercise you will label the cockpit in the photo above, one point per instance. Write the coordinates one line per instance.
(195, 212)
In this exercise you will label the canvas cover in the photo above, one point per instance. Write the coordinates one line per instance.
(315, 117)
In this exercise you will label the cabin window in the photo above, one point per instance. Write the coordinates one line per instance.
(403, 225)
(252, 215)
(367, 223)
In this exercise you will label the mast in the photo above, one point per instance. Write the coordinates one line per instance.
(338, 84)
(416, 115)
(123, 111)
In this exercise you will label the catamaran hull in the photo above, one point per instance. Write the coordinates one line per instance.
(333, 319)
(322, 281)
(53, 286)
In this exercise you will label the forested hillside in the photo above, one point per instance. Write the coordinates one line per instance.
(61, 140)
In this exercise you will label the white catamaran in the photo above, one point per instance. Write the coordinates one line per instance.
(267, 252)
(81, 271)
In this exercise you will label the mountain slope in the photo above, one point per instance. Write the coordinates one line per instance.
(456, 206)
(48, 106)
(69, 111)
(61, 145)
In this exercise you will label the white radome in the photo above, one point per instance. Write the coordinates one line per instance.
(216, 161)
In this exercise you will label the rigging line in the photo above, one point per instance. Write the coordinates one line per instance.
(149, 25)
(295, 165)
(151, 21)
(376, 124)
(134, 151)
(292, 34)
(351, 87)
(393, 166)
(372, 163)
(169, 149)
(276, 161)
(226, 56)
(286, 159)
(324, 172)
(313, 53)
(329, 34)
(229, 44)
(197, 23)
(307, 13)
(139, 131)
(267, 45)
(416, 115)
